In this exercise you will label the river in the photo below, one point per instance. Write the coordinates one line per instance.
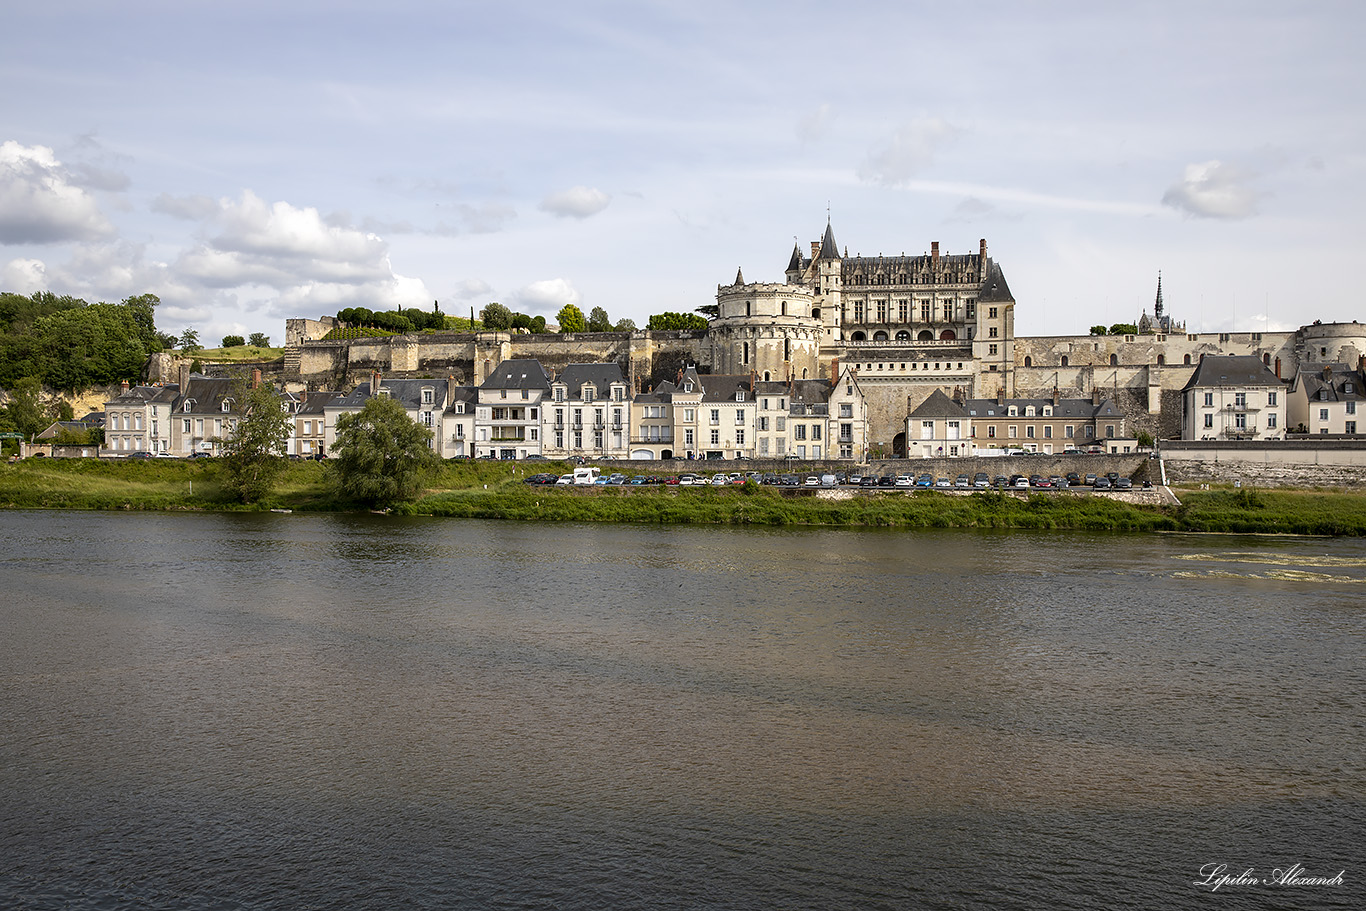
(290, 711)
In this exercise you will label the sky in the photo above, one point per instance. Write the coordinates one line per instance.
(255, 161)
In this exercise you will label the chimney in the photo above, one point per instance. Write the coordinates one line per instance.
(125, 386)
(815, 248)
(1095, 395)
(934, 252)
(1000, 396)
(1055, 396)
(834, 370)
(982, 248)
(255, 377)
(450, 389)
(1327, 372)
(374, 384)
(958, 395)
(183, 375)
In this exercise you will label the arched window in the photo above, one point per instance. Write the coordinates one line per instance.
(858, 337)
(903, 336)
(1064, 360)
(925, 336)
(1114, 360)
(766, 376)
(1187, 361)
(1161, 360)
(879, 336)
(1029, 361)
(815, 312)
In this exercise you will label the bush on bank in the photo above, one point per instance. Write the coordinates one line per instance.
(494, 490)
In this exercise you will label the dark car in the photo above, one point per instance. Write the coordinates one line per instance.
(1101, 484)
(141, 455)
(887, 480)
(1124, 483)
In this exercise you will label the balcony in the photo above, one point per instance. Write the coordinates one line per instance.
(663, 438)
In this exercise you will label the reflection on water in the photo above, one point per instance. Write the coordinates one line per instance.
(287, 711)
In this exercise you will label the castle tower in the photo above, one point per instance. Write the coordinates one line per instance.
(765, 329)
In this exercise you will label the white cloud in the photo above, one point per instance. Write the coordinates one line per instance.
(39, 201)
(1213, 189)
(186, 208)
(545, 296)
(907, 152)
(24, 276)
(576, 202)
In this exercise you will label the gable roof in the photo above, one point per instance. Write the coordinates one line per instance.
(599, 376)
(938, 405)
(1231, 370)
(518, 373)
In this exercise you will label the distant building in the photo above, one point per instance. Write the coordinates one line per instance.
(1326, 400)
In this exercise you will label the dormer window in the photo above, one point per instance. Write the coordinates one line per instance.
(227, 405)
(739, 396)
(1347, 388)
(1013, 411)
(186, 406)
(559, 393)
(1048, 411)
(428, 395)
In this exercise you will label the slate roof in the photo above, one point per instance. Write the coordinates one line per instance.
(313, 402)
(1331, 387)
(994, 290)
(469, 395)
(144, 395)
(407, 393)
(1073, 409)
(599, 376)
(1231, 370)
(829, 249)
(205, 394)
(518, 373)
(938, 405)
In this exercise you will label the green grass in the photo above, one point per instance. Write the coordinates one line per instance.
(494, 490)
(240, 353)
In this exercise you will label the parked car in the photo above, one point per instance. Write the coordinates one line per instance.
(1101, 484)
(924, 480)
(1020, 482)
(982, 480)
(962, 481)
(942, 482)
(811, 481)
(565, 480)
(904, 480)
(1123, 483)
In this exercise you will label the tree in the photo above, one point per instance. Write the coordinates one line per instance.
(599, 321)
(25, 411)
(260, 340)
(669, 320)
(1123, 329)
(571, 319)
(712, 310)
(537, 324)
(496, 317)
(1098, 330)
(625, 325)
(189, 340)
(233, 341)
(521, 321)
(253, 455)
(383, 456)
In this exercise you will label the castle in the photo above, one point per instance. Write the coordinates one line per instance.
(906, 325)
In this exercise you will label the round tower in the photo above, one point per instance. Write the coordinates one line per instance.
(767, 329)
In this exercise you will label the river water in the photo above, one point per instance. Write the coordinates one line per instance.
(288, 711)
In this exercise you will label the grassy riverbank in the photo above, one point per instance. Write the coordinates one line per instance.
(494, 490)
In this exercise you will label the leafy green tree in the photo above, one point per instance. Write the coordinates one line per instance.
(496, 317)
(233, 341)
(1123, 329)
(1144, 439)
(599, 321)
(712, 310)
(625, 325)
(521, 321)
(668, 320)
(571, 319)
(253, 455)
(537, 324)
(167, 341)
(189, 340)
(25, 411)
(383, 457)
(1098, 330)
(259, 340)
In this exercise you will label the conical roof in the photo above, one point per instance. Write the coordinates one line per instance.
(829, 249)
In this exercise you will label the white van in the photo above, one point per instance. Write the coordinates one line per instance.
(586, 477)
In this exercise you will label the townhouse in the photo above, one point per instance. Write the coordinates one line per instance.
(1326, 400)
(1234, 397)
(589, 414)
(507, 421)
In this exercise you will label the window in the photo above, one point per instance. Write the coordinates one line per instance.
(815, 431)
(763, 424)
(1271, 420)
(1351, 426)
(1209, 421)
(428, 395)
(716, 415)
(1011, 432)
(1351, 407)
(991, 332)
(1209, 399)
(846, 410)
(799, 431)
(426, 419)
(1068, 431)
(739, 415)
(688, 416)
(1240, 400)
(739, 438)
(1323, 414)
(688, 437)
(1240, 421)
(1029, 431)
(185, 426)
(716, 438)
(1110, 431)
(991, 432)
(1048, 431)
(991, 350)
(991, 313)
